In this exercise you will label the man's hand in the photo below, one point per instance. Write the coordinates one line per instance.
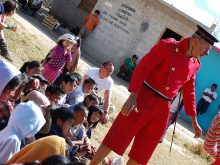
(105, 118)
(129, 105)
(196, 127)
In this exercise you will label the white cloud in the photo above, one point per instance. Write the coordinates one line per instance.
(189, 7)
(214, 5)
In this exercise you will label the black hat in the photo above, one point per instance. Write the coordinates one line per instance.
(207, 36)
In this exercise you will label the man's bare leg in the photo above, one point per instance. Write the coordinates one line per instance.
(102, 152)
(131, 162)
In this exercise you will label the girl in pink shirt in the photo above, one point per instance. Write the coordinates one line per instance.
(61, 55)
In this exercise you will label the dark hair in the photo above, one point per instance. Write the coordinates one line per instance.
(62, 113)
(92, 109)
(30, 65)
(91, 126)
(76, 162)
(55, 160)
(77, 76)
(135, 56)
(68, 78)
(54, 90)
(13, 83)
(106, 63)
(89, 81)
(215, 85)
(91, 98)
(9, 6)
(97, 12)
(80, 107)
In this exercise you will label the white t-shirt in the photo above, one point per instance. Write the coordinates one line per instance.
(78, 132)
(208, 90)
(101, 84)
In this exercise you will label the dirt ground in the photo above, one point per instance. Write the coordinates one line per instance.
(32, 41)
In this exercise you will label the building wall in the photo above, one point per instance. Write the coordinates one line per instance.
(206, 76)
(126, 27)
(68, 11)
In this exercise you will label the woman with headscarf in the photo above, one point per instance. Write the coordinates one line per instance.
(25, 121)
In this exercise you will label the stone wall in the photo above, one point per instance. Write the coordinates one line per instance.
(129, 27)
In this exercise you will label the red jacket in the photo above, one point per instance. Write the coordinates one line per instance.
(167, 69)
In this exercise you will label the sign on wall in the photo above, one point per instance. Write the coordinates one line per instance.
(120, 18)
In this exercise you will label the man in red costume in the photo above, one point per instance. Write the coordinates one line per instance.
(169, 66)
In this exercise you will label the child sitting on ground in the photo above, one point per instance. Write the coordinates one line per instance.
(77, 95)
(94, 116)
(77, 132)
(54, 94)
(62, 120)
(9, 82)
(25, 121)
(68, 84)
(127, 68)
(88, 101)
(31, 67)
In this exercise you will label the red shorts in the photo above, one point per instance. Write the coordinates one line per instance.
(146, 127)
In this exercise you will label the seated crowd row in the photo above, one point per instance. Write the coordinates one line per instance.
(50, 98)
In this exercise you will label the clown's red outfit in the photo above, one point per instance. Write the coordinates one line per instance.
(166, 69)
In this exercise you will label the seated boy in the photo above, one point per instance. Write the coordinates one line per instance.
(62, 120)
(68, 85)
(127, 68)
(54, 94)
(77, 132)
(78, 95)
(88, 101)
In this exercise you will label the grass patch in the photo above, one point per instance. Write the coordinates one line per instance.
(197, 149)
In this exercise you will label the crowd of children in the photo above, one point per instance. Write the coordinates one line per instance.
(48, 112)
(46, 107)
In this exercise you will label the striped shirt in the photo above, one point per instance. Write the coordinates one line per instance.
(212, 140)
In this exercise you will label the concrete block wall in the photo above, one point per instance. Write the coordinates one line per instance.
(120, 32)
(111, 42)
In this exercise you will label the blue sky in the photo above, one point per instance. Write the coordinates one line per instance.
(205, 11)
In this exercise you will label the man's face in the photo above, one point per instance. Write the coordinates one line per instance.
(213, 88)
(202, 48)
(107, 70)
